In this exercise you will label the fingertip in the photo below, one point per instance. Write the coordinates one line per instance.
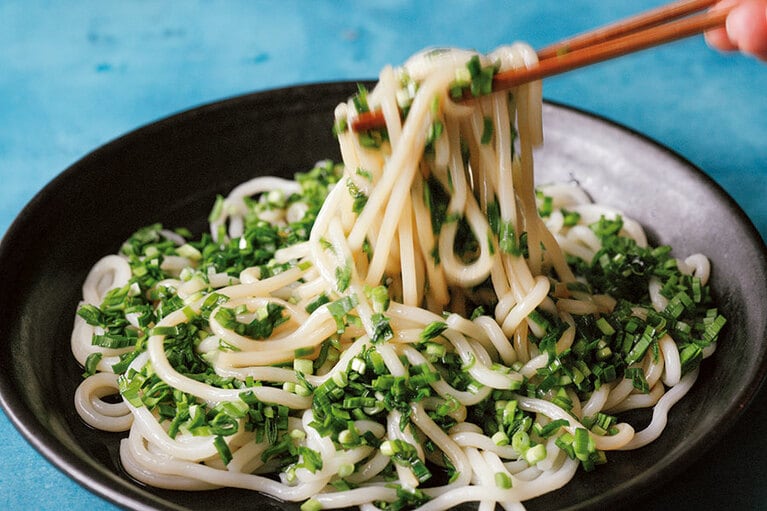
(746, 28)
(719, 39)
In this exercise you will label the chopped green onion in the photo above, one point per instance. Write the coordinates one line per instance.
(547, 204)
(583, 445)
(500, 438)
(303, 365)
(301, 390)
(345, 470)
(435, 350)
(303, 352)
(639, 349)
(379, 295)
(189, 252)
(311, 505)
(360, 100)
(364, 173)
(381, 328)
(487, 130)
(535, 454)
(343, 277)
(377, 361)
(432, 331)
(405, 454)
(571, 218)
(520, 442)
(223, 449)
(713, 328)
(436, 129)
(637, 376)
(340, 309)
(91, 362)
(690, 356)
(317, 303)
(507, 239)
(553, 427)
(358, 365)
(339, 126)
(360, 199)
(502, 480)
(605, 327)
(312, 460)
(340, 379)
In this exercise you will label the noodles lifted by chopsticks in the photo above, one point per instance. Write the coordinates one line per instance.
(418, 327)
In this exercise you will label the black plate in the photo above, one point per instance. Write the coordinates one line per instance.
(170, 172)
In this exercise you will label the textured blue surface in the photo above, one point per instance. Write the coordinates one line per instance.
(74, 75)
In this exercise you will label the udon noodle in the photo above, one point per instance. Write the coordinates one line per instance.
(435, 331)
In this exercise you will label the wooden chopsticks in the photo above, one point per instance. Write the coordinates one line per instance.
(645, 20)
(652, 28)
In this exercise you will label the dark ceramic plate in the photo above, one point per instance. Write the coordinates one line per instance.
(170, 172)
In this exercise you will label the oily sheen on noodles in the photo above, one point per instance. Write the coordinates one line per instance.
(415, 328)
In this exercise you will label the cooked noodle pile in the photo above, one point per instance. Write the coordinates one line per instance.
(418, 327)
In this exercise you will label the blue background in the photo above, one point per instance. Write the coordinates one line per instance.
(74, 75)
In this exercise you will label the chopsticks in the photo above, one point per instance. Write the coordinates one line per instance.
(655, 27)
(636, 23)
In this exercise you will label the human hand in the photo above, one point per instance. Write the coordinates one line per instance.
(745, 29)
